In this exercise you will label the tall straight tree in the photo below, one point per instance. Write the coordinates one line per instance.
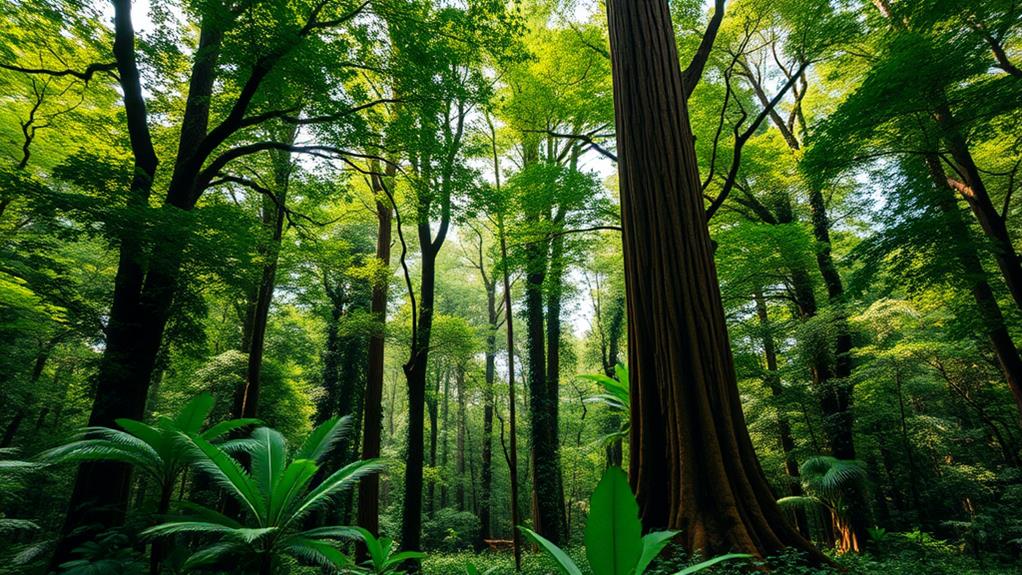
(693, 466)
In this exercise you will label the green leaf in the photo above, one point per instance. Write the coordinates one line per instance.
(229, 474)
(652, 545)
(224, 427)
(564, 563)
(323, 438)
(613, 534)
(194, 413)
(268, 460)
(711, 562)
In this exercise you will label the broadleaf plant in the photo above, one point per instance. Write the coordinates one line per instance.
(613, 535)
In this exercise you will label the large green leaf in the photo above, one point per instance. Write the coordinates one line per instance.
(229, 474)
(318, 552)
(342, 479)
(613, 533)
(564, 563)
(290, 487)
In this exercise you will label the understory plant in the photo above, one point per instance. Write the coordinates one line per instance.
(614, 542)
(276, 498)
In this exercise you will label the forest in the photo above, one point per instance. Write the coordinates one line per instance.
(551, 287)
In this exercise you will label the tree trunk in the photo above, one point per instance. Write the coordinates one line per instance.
(773, 381)
(141, 301)
(986, 303)
(486, 474)
(974, 190)
(273, 215)
(553, 364)
(516, 538)
(459, 464)
(369, 487)
(415, 374)
(693, 465)
(547, 515)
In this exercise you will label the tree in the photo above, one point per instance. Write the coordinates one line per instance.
(693, 465)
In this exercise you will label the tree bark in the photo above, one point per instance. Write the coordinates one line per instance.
(369, 487)
(693, 466)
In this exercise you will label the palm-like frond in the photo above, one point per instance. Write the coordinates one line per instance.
(805, 502)
(828, 476)
(217, 552)
(316, 552)
(335, 484)
(229, 474)
(276, 493)
(324, 437)
(269, 454)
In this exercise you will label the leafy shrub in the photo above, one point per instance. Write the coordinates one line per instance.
(450, 530)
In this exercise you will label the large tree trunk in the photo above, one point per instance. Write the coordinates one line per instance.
(693, 465)
(141, 301)
(369, 487)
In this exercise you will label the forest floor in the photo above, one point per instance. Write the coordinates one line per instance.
(928, 557)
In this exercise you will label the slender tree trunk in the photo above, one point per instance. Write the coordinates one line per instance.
(553, 364)
(615, 451)
(369, 487)
(773, 381)
(989, 310)
(273, 221)
(547, 515)
(486, 474)
(415, 374)
(516, 540)
(459, 465)
(693, 465)
(974, 190)
(432, 411)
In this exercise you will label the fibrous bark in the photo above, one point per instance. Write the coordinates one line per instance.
(693, 466)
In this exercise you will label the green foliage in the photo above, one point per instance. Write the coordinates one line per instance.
(276, 497)
(155, 450)
(613, 536)
(384, 556)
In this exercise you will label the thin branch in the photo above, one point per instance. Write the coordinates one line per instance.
(84, 75)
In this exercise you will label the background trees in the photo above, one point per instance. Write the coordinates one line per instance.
(409, 212)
